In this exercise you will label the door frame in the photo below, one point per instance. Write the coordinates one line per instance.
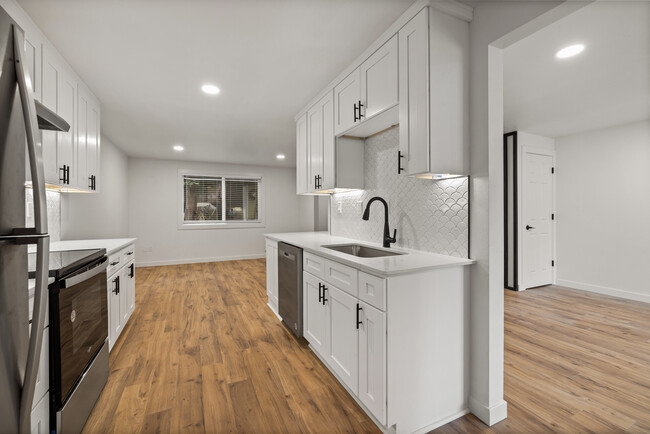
(525, 149)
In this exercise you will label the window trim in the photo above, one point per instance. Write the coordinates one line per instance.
(235, 224)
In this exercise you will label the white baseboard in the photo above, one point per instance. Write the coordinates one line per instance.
(604, 290)
(197, 260)
(489, 415)
(442, 422)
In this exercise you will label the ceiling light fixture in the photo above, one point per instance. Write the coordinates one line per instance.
(570, 51)
(210, 89)
(280, 156)
(178, 148)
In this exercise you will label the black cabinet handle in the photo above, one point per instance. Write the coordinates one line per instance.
(399, 162)
(360, 115)
(324, 299)
(315, 182)
(90, 186)
(132, 273)
(115, 262)
(358, 310)
(320, 184)
(355, 113)
(67, 174)
(62, 169)
(528, 227)
(116, 289)
(320, 295)
(118, 284)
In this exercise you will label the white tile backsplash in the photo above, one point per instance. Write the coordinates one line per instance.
(53, 212)
(429, 216)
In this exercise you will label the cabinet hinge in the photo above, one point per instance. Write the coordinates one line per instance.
(552, 216)
(552, 169)
(552, 263)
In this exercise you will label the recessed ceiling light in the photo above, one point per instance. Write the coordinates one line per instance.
(570, 51)
(210, 89)
(178, 148)
(280, 156)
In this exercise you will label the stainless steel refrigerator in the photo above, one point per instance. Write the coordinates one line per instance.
(20, 143)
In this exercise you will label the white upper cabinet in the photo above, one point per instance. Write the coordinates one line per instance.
(347, 97)
(70, 158)
(433, 106)
(88, 140)
(302, 155)
(414, 94)
(379, 84)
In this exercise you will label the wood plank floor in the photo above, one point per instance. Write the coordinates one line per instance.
(574, 362)
(203, 353)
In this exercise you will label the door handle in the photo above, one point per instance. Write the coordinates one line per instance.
(400, 169)
(360, 115)
(528, 227)
(324, 299)
(355, 113)
(358, 310)
(132, 273)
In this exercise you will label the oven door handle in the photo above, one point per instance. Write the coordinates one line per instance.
(90, 272)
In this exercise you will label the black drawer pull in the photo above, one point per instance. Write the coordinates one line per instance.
(358, 321)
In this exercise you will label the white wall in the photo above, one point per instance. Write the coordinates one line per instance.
(492, 21)
(103, 214)
(153, 214)
(603, 211)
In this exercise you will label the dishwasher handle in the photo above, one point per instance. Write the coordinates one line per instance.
(288, 255)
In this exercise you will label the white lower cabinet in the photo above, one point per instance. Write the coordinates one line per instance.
(350, 336)
(272, 275)
(372, 360)
(315, 314)
(409, 375)
(343, 354)
(121, 291)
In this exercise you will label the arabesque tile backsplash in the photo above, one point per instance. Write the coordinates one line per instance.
(429, 216)
(53, 212)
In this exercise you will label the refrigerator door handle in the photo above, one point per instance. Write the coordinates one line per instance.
(35, 152)
(34, 145)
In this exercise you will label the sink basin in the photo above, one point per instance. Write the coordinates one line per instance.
(362, 251)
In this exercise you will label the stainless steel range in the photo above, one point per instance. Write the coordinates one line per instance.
(78, 336)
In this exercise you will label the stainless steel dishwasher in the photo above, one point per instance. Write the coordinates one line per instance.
(290, 286)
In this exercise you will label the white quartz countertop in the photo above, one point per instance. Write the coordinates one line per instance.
(409, 262)
(111, 245)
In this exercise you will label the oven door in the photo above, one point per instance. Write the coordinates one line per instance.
(82, 322)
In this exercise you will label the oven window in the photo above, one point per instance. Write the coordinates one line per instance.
(83, 325)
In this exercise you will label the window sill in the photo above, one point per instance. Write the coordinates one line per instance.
(233, 225)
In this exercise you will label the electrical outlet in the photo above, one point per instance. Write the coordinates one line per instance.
(147, 249)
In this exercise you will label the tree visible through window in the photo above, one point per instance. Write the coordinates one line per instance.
(218, 199)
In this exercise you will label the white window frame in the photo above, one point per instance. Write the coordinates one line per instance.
(233, 224)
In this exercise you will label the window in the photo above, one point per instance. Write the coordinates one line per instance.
(220, 201)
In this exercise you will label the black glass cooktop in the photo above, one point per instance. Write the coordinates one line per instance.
(63, 263)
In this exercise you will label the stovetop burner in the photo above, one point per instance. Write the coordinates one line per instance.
(63, 263)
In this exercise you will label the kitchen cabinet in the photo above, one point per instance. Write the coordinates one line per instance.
(88, 140)
(272, 275)
(315, 314)
(347, 97)
(433, 92)
(368, 91)
(408, 371)
(343, 353)
(372, 359)
(320, 127)
(326, 164)
(66, 142)
(121, 291)
(302, 155)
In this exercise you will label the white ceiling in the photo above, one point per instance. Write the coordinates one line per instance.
(607, 84)
(146, 61)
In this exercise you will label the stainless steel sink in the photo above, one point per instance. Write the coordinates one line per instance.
(361, 251)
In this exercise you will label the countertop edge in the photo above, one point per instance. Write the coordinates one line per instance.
(453, 261)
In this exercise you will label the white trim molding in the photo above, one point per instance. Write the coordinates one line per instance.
(489, 415)
(140, 264)
(613, 292)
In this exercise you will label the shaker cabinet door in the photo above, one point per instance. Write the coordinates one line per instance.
(372, 360)
(344, 337)
(379, 84)
(315, 315)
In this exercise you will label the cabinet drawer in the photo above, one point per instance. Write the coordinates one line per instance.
(115, 262)
(128, 254)
(314, 264)
(372, 290)
(342, 276)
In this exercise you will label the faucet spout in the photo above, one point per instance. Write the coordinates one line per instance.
(388, 240)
